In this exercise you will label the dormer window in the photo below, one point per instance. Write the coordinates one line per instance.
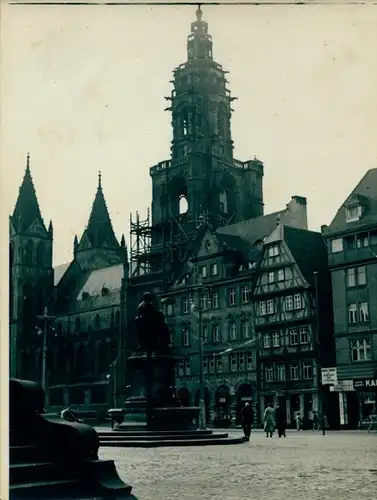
(353, 213)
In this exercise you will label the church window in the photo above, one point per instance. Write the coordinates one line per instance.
(103, 358)
(222, 124)
(97, 322)
(223, 198)
(183, 204)
(30, 252)
(77, 325)
(40, 254)
(117, 318)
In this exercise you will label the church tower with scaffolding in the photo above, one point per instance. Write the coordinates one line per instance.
(202, 181)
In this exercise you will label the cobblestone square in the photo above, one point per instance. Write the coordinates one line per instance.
(305, 465)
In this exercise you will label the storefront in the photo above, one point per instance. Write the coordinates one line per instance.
(357, 401)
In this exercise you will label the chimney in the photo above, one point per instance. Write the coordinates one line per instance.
(296, 215)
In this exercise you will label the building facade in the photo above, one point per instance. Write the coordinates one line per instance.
(352, 252)
(293, 324)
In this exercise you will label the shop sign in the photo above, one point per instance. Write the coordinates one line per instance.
(329, 376)
(368, 384)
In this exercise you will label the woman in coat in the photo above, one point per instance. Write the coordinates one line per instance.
(269, 420)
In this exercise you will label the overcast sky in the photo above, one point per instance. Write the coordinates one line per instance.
(83, 90)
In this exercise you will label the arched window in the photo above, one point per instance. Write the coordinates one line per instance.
(40, 254)
(222, 123)
(182, 204)
(30, 253)
(77, 325)
(97, 322)
(103, 357)
(117, 318)
(81, 361)
(223, 199)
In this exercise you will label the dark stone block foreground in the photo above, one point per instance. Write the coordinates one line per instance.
(55, 459)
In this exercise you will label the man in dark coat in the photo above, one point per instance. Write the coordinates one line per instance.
(280, 421)
(247, 420)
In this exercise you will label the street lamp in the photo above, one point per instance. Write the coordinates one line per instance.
(46, 318)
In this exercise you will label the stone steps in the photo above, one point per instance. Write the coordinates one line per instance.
(159, 437)
(186, 441)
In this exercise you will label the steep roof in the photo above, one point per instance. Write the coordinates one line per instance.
(364, 193)
(99, 230)
(308, 249)
(253, 230)
(59, 272)
(27, 209)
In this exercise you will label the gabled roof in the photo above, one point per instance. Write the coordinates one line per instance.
(99, 231)
(27, 209)
(308, 249)
(364, 193)
(59, 272)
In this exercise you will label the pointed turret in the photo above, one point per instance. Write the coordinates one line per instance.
(27, 209)
(51, 228)
(199, 43)
(122, 241)
(75, 243)
(99, 230)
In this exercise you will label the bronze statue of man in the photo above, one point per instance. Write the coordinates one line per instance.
(151, 329)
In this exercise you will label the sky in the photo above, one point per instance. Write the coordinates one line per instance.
(83, 90)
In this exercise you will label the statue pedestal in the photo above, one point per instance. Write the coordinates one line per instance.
(152, 404)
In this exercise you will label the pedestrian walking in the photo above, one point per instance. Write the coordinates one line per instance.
(315, 421)
(269, 420)
(298, 421)
(247, 420)
(280, 420)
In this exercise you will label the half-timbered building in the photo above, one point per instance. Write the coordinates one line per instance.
(293, 320)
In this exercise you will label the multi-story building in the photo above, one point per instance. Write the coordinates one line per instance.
(293, 322)
(352, 253)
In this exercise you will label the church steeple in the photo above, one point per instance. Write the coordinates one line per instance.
(99, 230)
(27, 209)
(199, 43)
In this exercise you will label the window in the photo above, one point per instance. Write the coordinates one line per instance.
(245, 329)
(266, 340)
(241, 361)
(231, 296)
(362, 240)
(351, 277)
(307, 369)
(361, 276)
(273, 251)
(337, 245)
(364, 312)
(214, 269)
(204, 302)
(186, 305)
(281, 276)
(245, 294)
(203, 271)
(289, 303)
(211, 364)
(219, 364)
(352, 313)
(169, 310)
(215, 300)
(262, 308)
(271, 277)
(97, 322)
(249, 361)
(276, 339)
(205, 364)
(293, 336)
(297, 301)
(233, 362)
(269, 374)
(294, 372)
(216, 333)
(185, 337)
(187, 367)
(280, 371)
(304, 335)
(353, 213)
(270, 306)
(361, 350)
(77, 325)
(205, 334)
(181, 368)
(232, 331)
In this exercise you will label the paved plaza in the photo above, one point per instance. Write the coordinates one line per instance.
(305, 465)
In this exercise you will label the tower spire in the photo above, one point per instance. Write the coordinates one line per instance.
(27, 208)
(199, 43)
(99, 229)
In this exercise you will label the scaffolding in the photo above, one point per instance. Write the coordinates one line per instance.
(140, 245)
